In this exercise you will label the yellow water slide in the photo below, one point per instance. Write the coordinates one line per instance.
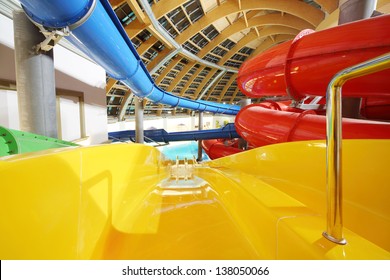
(125, 201)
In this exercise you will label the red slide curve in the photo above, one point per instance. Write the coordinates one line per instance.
(261, 126)
(216, 148)
(304, 66)
(374, 108)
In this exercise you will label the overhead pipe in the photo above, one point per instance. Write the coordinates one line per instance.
(163, 61)
(96, 31)
(160, 135)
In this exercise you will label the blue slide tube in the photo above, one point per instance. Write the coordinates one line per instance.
(97, 32)
(160, 135)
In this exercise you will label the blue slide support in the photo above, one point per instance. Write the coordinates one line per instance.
(160, 135)
(96, 31)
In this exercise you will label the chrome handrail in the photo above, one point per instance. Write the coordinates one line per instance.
(334, 231)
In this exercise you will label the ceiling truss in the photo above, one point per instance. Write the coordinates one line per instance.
(223, 32)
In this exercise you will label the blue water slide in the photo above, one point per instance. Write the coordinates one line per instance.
(160, 135)
(96, 31)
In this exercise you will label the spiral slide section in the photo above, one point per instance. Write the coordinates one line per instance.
(97, 32)
(217, 148)
(304, 66)
(262, 126)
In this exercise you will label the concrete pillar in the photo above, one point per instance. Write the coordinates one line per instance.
(200, 151)
(242, 144)
(352, 10)
(165, 123)
(192, 122)
(35, 79)
(139, 120)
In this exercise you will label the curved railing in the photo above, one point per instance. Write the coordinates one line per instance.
(334, 231)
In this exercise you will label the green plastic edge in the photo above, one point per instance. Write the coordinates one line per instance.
(16, 142)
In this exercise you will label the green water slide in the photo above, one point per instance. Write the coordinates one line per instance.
(16, 142)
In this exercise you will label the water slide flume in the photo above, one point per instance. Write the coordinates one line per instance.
(121, 202)
(261, 125)
(97, 32)
(304, 66)
(126, 202)
(222, 147)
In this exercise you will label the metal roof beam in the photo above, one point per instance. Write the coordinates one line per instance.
(266, 20)
(298, 9)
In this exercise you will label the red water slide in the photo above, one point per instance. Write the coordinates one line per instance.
(261, 125)
(216, 148)
(304, 66)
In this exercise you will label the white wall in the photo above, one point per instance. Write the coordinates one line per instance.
(70, 118)
(73, 73)
(8, 107)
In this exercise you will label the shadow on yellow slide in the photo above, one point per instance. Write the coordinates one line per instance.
(125, 201)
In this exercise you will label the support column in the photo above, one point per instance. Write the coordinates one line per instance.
(35, 79)
(242, 144)
(125, 104)
(165, 123)
(200, 151)
(352, 10)
(139, 120)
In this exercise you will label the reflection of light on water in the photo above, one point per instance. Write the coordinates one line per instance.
(185, 149)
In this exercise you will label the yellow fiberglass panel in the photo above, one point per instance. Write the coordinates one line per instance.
(248, 200)
(298, 170)
(58, 204)
(115, 180)
(39, 205)
(124, 202)
(192, 224)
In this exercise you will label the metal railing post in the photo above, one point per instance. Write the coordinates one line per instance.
(334, 231)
